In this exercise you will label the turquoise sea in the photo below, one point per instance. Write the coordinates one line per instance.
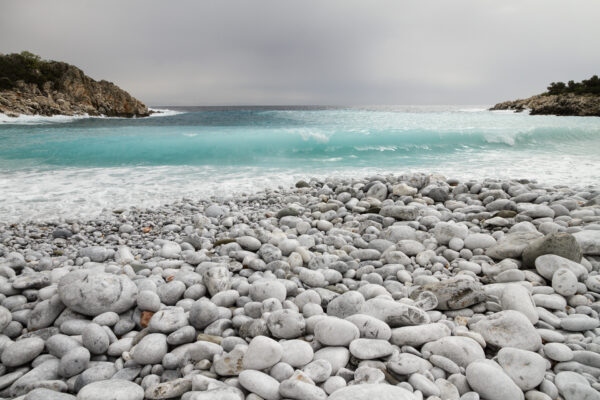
(61, 167)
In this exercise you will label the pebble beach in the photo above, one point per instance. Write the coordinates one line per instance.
(405, 287)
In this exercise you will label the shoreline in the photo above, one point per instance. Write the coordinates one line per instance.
(314, 290)
(57, 118)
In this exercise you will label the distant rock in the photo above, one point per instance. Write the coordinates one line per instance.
(584, 105)
(31, 86)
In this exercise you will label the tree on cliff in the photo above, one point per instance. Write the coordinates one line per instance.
(586, 86)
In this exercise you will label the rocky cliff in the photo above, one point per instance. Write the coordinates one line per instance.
(29, 85)
(555, 104)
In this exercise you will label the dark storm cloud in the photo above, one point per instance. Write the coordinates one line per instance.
(314, 51)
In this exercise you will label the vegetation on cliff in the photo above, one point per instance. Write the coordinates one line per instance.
(30, 85)
(586, 86)
(570, 99)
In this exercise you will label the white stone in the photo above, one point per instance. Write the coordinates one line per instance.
(372, 392)
(517, 297)
(332, 331)
(462, 350)
(508, 329)
(296, 353)
(419, 334)
(262, 353)
(558, 352)
(260, 383)
(564, 282)
(369, 349)
(526, 368)
(489, 380)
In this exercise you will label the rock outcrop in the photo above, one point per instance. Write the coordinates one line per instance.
(581, 105)
(31, 86)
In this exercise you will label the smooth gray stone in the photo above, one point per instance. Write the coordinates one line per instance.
(332, 331)
(297, 389)
(95, 253)
(93, 293)
(564, 282)
(462, 350)
(445, 231)
(45, 313)
(168, 320)
(148, 301)
(48, 370)
(419, 334)
(59, 345)
(8, 379)
(548, 264)
(97, 371)
(262, 353)
(338, 357)
(508, 329)
(589, 240)
(318, 371)
(151, 349)
(286, 324)
(512, 245)
(346, 304)
(372, 391)
(128, 374)
(296, 353)
(22, 352)
(5, 318)
(47, 394)
(260, 383)
(558, 352)
(95, 339)
(263, 289)
(369, 327)
(369, 349)
(74, 362)
(516, 297)
(489, 380)
(526, 368)
(108, 318)
(561, 244)
(186, 334)
(113, 389)
(203, 313)
(407, 364)
(169, 293)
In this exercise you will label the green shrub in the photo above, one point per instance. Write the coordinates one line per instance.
(586, 86)
(27, 67)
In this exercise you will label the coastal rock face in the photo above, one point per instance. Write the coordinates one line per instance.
(32, 86)
(583, 105)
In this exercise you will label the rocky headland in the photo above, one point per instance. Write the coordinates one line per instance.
(31, 86)
(572, 99)
(390, 287)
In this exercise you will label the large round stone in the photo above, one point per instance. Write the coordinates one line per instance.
(562, 244)
(112, 389)
(93, 293)
(332, 331)
(508, 329)
(372, 391)
(22, 351)
(489, 380)
(151, 349)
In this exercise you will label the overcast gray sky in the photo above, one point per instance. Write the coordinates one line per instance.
(224, 52)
